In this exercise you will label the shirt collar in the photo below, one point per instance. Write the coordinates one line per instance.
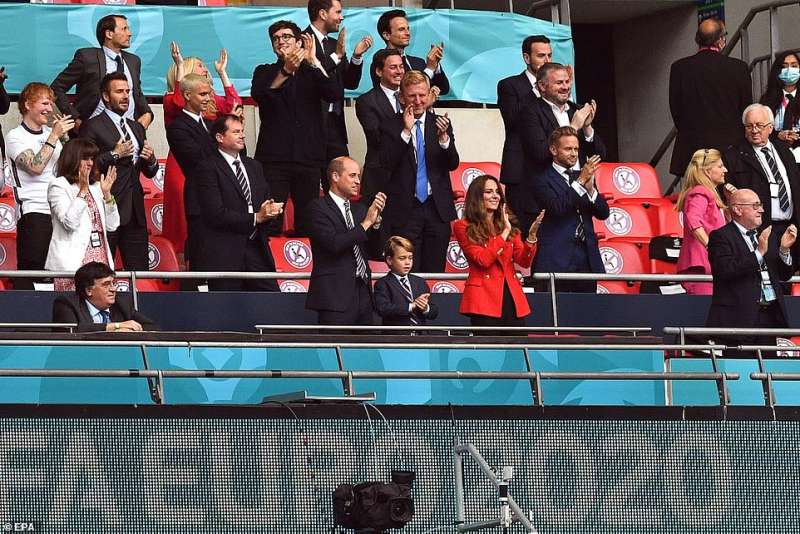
(555, 107)
(400, 277)
(389, 92)
(758, 148)
(532, 78)
(421, 120)
(559, 169)
(337, 199)
(230, 159)
(742, 230)
(110, 54)
(320, 36)
(793, 93)
(92, 310)
(195, 116)
(114, 116)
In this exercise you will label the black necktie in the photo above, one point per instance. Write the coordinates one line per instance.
(752, 235)
(126, 136)
(118, 61)
(783, 196)
(789, 97)
(243, 183)
(203, 124)
(580, 231)
(361, 265)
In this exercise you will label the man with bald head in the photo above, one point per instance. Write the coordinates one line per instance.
(768, 168)
(748, 272)
(707, 94)
(343, 237)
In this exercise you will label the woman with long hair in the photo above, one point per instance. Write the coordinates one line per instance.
(780, 97)
(174, 220)
(492, 243)
(83, 211)
(703, 212)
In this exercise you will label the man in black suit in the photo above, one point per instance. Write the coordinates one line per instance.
(396, 33)
(326, 17)
(291, 140)
(234, 207)
(768, 168)
(571, 201)
(342, 237)
(539, 117)
(511, 93)
(374, 108)
(122, 143)
(747, 272)
(419, 149)
(190, 143)
(707, 94)
(95, 306)
(90, 65)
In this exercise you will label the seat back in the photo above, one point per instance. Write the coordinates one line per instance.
(628, 180)
(468, 171)
(154, 211)
(292, 254)
(629, 220)
(8, 215)
(446, 286)
(624, 257)
(8, 252)
(456, 261)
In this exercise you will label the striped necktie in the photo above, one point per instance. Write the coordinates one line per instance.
(126, 135)
(361, 265)
(580, 231)
(783, 195)
(410, 296)
(243, 183)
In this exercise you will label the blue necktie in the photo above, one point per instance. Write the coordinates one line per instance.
(106, 316)
(422, 168)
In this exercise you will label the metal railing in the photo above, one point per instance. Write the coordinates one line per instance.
(449, 330)
(552, 278)
(741, 37)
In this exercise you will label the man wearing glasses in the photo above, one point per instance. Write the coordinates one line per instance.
(768, 168)
(291, 141)
(748, 272)
(707, 93)
(95, 307)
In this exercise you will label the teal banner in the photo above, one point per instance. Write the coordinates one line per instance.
(481, 47)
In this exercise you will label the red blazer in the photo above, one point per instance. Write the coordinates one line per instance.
(489, 265)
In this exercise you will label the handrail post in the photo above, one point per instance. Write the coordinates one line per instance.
(347, 382)
(774, 36)
(134, 294)
(769, 394)
(529, 367)
(553, 302)
(539, 393)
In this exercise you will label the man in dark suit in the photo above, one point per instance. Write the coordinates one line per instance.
(570, 200)
(90, 65)
(539, 117)
(374, 108)
(5, 103)
(401, 298)
(747, 272)
(95, 306)
(234, 207)
(326, 17)
(291, 141)
(190, 143)
(707, 94)
(396, 33)
(768, 168)
(342, 237)
(122, 143)
(419, 149)
(512, 92)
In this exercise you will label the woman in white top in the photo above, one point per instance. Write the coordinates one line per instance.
(33, 149)
(83, 211)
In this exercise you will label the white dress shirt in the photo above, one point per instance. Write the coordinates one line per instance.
(413, 138)
(393, 95)
(229, 160)
(97, 315)
(111, 66)
(532, 79)
(116, 118)
(787, 258)
(575, 184)
(777, 213)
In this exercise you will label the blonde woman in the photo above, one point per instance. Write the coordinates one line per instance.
(703, 212)
(174, 221)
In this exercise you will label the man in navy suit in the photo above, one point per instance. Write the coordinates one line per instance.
(235, 206)
(747, 272)
(342, 234)
(90, 65)
(419, 149)
(396, 33)
(512, 92)
(122, 143)
(567, 242)
(375, 107)
(540, 116)
(401, 298)
(326, 17)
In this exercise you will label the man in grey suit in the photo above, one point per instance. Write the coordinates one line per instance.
(90, 65)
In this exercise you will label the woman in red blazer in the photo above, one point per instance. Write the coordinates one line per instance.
(492, 244)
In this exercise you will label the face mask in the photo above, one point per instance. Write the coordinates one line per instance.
(789, 75)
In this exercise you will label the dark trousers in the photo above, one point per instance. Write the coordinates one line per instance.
(257, 258)
(132, 241)
(769, 316)
(579, 263)
(358, 313)
(335, 136)
(34, 231)
(429, 235)
(298, 180)
(508, 317)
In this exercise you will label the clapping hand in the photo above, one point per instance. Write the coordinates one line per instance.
(788, 238)
(408, 119)
(535, 227)
(763, 240)
(421, 302)
(309, 48)
(581, 116)
(62, 124)
(123, 148)
(107, 181)
(362, 46)
(435, 56)
(588, 171)
(147, 152)
(340, 40)
(374, 212)
(442, 126)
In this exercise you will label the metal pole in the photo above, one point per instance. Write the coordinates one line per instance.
(553, 302)
(774, 29)
(134, 293)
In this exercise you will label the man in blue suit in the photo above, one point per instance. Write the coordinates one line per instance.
(567, 242)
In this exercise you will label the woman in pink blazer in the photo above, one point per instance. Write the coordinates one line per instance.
(703, 212)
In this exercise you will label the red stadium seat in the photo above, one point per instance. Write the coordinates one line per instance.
(624, 257)
(789, 343)
(468, 171)
(456, 261)
(162, 255)
(292, 254)
(631, 221)
(617, 287)
(148, 285)
(8, 253)
(378, 266)
(154, 187)
(446, 286)
(628, 180)
(288, 218)
(8, 216)
(293, 286)
(154, 211)
(670, 222)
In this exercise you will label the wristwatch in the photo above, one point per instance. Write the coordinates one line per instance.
(116, 327)
(115, 157)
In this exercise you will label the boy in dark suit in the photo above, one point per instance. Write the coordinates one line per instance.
(402, 299)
